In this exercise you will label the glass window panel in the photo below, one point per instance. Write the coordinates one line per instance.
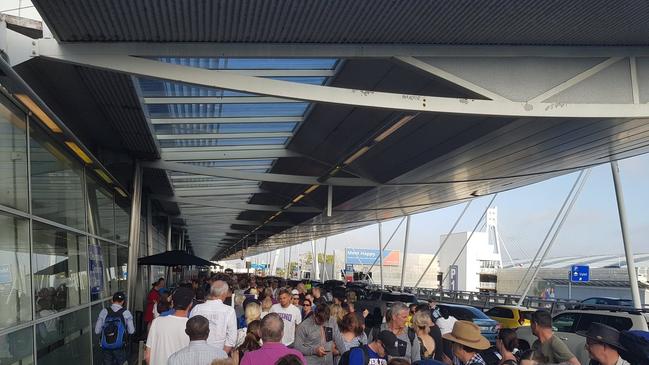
(122, 263)
(15, 284)
(264, 109)
(101, 219)
(102, 269)
(226, 110)
(57, 191)
(16, 348)
(251, 141)
(97, 357)
(168, 143)
(184, 110)
(13, 158)
(226, 163)
(158, 88)
(224, 128)
(60, 268)
(254, 63)
(122, 220)
(64, 340)
(313, 80)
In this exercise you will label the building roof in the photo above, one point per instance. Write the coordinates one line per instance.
(596, 261)
(406, 160)
(487, 22)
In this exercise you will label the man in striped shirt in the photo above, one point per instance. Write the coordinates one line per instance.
(198, 352)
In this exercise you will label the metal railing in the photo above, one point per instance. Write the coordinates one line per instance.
(487, 300)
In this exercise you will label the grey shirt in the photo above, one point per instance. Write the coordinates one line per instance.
(309, 336)
(412, 352)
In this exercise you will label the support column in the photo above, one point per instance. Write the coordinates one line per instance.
(149, 238)
(288, 264)
(169, 270)
(405, 251)
(314, 261)
(583, 176)
(381, 255)
(325, 272)
(134, 235)
(628, 250)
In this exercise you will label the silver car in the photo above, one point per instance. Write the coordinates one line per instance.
(566, 324)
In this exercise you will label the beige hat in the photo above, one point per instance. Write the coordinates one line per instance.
(468, 334)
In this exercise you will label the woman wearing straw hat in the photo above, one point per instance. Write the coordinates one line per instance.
(467, 343)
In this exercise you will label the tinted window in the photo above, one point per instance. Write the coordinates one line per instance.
(500, 313)
(565, 322)
(619, 323)
(590, 301)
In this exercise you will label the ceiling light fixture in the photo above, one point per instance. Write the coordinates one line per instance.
(361, 151)
(104, 175)
(79, 152)
(311, 189)
(40, 114)
(120, 191)
(393, 128)
(298, 198)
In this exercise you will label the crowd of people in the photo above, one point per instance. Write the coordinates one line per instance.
(230, 320)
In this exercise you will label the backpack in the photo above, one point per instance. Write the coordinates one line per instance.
(344, 358)
(411, 334)
(636, 344)
(113, 332)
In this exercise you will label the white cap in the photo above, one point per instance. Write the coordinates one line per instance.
(295, 292)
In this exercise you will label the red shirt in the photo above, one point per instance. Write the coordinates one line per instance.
(153, 297)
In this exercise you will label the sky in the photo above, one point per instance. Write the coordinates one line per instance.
(525, 215)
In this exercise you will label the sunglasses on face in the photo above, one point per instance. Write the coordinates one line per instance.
(297, 298)
(307, 305)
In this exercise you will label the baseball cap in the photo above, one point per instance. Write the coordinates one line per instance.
(119, 296)
(182, 298)
(389, 341)
(295, 292)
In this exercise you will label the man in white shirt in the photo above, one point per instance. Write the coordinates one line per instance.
(167, 334)
(223, 320)
(289, 313)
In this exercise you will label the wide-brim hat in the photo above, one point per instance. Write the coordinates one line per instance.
(468, 334)
(603, 333)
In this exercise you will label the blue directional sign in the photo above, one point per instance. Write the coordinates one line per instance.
(579, 273)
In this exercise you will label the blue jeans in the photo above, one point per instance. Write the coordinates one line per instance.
(115, 357)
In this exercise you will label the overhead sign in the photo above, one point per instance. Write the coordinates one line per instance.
(579, 273)
(454, 276)
(259, 266)
(366, 256)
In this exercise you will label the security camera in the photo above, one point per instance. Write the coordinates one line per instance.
(242, 257)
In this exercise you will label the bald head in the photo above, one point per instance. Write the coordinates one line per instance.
(272, 328)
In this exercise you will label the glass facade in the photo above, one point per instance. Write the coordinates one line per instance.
(63, 252)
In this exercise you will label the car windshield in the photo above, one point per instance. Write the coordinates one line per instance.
(467, 313)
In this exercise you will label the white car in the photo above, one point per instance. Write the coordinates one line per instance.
(566, 324)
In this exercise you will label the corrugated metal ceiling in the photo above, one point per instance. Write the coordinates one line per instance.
(509, 22)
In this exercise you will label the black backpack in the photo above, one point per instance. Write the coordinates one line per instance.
(344, 358)
(637, 347)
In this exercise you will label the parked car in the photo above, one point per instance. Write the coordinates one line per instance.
(488, 327)
(606, 301)
(510, 316)
(566, 324)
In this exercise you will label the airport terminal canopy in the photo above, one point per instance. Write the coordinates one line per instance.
(262, 124)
